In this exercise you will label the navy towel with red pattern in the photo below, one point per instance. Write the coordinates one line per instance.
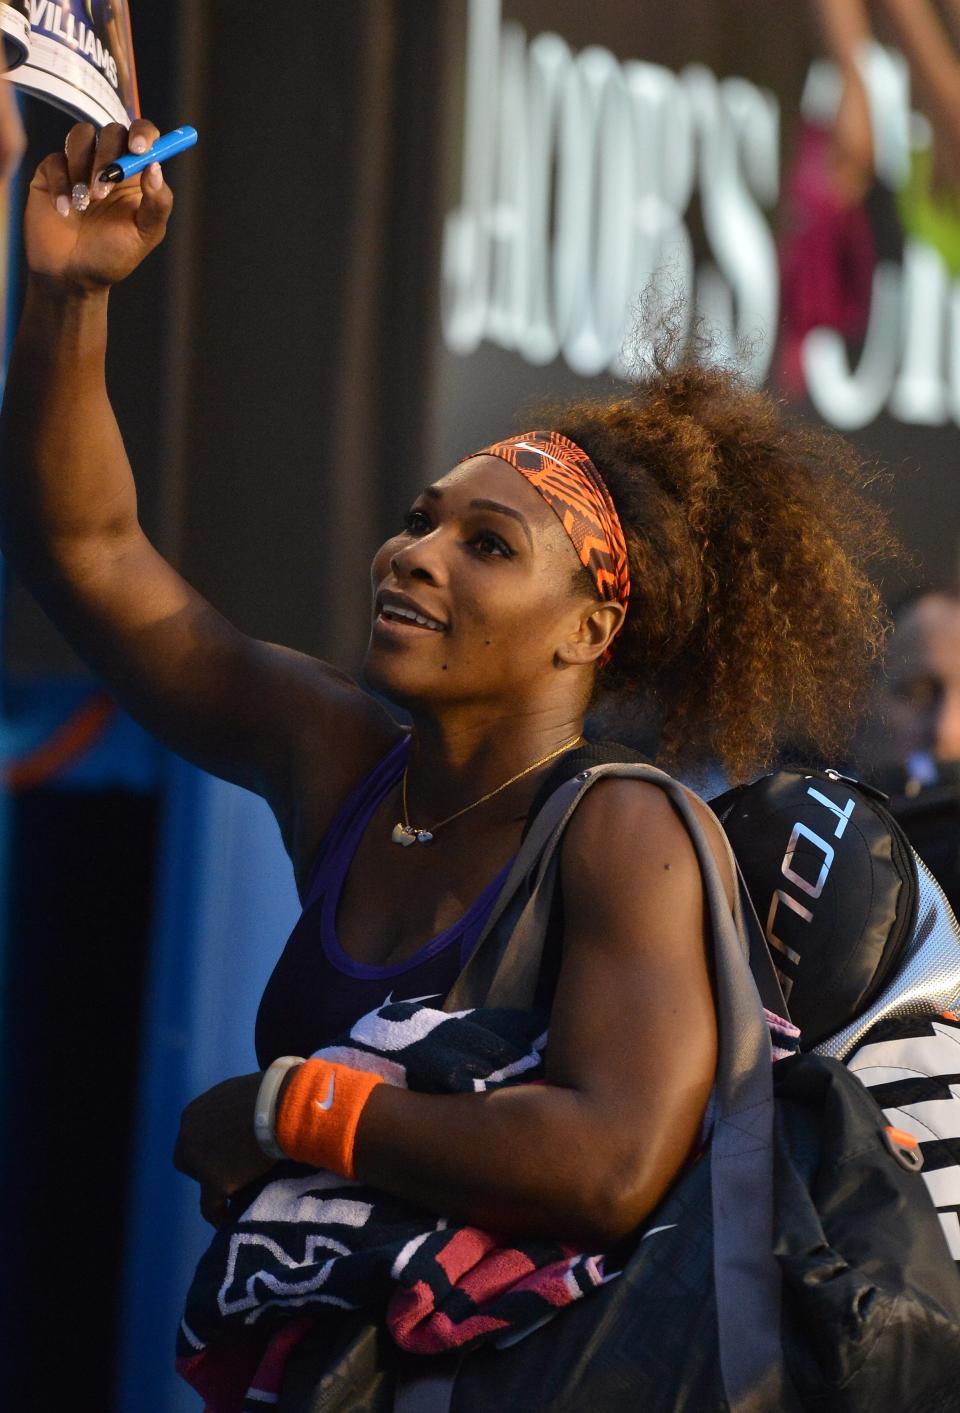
(306, 1242)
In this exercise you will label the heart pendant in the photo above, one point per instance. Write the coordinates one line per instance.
(404, 835)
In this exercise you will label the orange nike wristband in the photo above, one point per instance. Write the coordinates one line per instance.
(317, 1118)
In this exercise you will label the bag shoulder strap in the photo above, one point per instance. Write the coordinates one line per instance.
(503, 972)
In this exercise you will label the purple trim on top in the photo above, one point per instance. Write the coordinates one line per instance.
(338, 958)
(336, 855)
(346, 815)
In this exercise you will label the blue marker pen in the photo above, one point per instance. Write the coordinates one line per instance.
(167, 146)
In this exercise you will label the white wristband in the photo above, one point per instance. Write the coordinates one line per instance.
(265, 1110)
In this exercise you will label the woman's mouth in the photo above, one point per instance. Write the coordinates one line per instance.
(406, 618)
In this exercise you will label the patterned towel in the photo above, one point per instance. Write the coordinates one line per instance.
(306, 1241)
(912, 1068)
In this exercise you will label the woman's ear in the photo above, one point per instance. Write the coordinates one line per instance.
(595, 632)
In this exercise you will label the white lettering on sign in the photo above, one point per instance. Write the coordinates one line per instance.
(579, 170)
(47, 15)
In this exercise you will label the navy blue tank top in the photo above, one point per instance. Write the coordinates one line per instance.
(317, 992)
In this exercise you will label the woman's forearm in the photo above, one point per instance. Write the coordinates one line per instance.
(845, 25)
(65, 481)
(934, 66)
(534, 1159)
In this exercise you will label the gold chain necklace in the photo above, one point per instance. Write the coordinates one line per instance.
(407, 833)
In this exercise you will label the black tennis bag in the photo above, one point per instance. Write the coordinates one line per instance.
(798, 1264)
(870, 1298)
(835, 885)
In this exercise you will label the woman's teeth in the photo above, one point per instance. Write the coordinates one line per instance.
(407, 615)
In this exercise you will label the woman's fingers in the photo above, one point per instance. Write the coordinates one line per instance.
(53, 177)
(156, 203)
(116, 141)
(142, 134)
(111, 144)
(214, 1207)
(87, 152)
(79, 148)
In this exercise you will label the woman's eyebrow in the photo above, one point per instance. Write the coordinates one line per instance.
(480, 503)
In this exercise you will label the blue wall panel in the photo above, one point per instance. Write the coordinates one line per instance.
(225, 904)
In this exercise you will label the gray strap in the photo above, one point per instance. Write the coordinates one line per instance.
(745, 1271)
(505, 964)
(762, 969)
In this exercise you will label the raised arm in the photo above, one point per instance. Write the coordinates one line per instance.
(251, 712)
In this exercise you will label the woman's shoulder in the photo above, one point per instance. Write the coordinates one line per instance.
(626, 831)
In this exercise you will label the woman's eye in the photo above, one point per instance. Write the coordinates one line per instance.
(488, 543)
(416, 522)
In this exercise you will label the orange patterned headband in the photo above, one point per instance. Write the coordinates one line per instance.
(571, 485)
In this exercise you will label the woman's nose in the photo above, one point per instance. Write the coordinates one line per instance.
(422, 559)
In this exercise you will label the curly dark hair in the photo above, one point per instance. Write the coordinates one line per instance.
(753, 618)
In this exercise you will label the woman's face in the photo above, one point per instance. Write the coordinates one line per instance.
(488, 566)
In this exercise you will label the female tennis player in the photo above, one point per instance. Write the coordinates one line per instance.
(677, 543)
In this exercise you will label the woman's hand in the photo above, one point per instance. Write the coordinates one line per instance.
(96, 247)
(216, 1144)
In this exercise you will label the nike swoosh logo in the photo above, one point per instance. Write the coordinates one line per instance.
(411, 999)
(535, 446)
(328, 1102)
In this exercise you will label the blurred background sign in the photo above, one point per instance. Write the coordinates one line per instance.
(591, 155)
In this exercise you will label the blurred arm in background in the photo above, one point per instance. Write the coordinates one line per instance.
(13, 140)
(935, 79)
(935, 75)
(845, 25)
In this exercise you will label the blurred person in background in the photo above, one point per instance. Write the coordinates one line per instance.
(839, 220)
(923, 682)
(911, 748)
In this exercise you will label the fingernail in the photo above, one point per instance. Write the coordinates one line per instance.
(138, 144)
(63, 205)
(99, 189)
(81, 196)
(153, 177)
